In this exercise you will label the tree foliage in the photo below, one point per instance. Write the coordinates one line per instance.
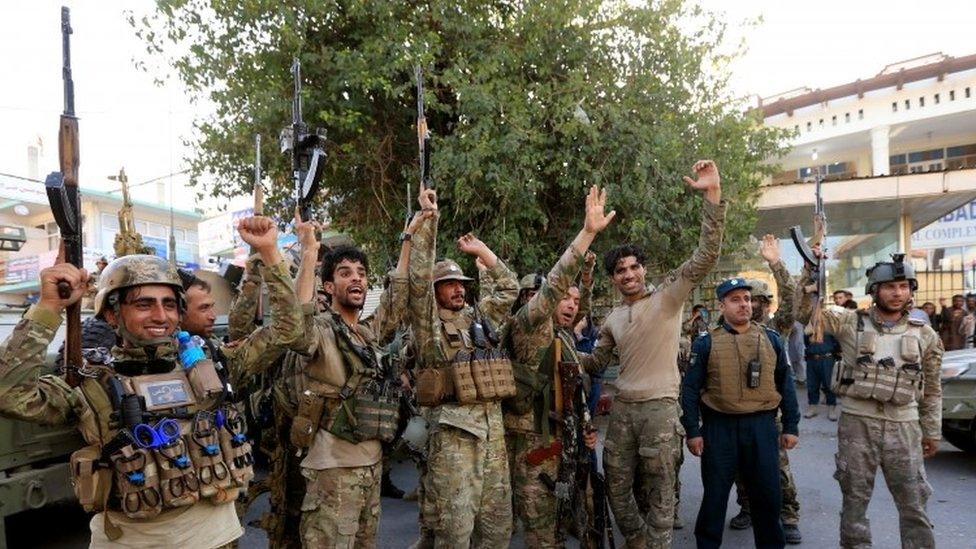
(528, 104)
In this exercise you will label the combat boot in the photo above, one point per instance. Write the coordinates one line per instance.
(833, 414)
(813, 410)
(793, 536)
(741, 521)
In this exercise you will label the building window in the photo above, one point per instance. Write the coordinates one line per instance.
(961, 156)
(821, 122)
(809, 126)
(894, 106)
(921, 101)
(833, 120)
(847, 117)
(860, 114)
(936, 98)
(908, 104)
(967, 93)
(796, 129)
(952, 95)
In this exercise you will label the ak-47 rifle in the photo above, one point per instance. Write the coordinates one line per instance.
(817, 263)
(65, 200)
(578, 470)
(423, 134)
(258, 210)
(307, 150)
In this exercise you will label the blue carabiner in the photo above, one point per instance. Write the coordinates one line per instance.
(145, 436)
(168, 430)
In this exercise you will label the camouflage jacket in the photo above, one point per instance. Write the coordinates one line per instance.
(843, 325)
(240, 318)
(532, 328)
(47, 399)
(425, 318)
(782, 320)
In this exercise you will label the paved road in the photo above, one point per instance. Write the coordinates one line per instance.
(952, 474)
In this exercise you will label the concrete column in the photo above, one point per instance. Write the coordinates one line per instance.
(879, 150)
(905, 233)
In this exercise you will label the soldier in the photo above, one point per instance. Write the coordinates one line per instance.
(782, 321)
(340, 394)
(739, 378)
(644, 432)
(466, 498)
(548, 314)
(891, 403)
(149, 485)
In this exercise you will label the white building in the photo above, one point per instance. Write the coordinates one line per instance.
(898, 152)
(23, 205)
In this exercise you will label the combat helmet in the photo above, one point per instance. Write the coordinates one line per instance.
(889, 271)
(136, 270)
(532, 281)
(760, 288)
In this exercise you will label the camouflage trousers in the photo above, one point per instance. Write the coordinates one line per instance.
(643, 438)
(287, 489)
(467, 495)
(341, 507)
(864, 444)
(790, 512)
(535, 504)
(643, 496)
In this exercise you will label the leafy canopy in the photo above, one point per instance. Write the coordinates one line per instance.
(528, 104)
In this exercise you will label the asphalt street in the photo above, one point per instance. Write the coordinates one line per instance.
(951, 472)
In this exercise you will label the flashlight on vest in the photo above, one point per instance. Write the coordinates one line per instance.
(752, 374)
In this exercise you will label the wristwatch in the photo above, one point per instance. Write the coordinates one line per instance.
(404, 237)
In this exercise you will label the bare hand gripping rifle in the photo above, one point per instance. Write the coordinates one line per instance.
(817, 263)
(65, 200)
(307, 150)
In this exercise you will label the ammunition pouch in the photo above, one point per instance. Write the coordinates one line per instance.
(886, 380)
(178, 481)
(435, 385)
(137, 481)
(212, 471)
(311, 408)
(530, 385)
(90, 478)
(369, 413)
(236, 448)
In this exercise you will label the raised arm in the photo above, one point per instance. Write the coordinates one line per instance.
(422, 306)
(305, 281)
(680, 283)
(786, 311)
(240, 318)
(499, 288)
(586, 288)
(930, 406)
(24, 393)
(543, 304)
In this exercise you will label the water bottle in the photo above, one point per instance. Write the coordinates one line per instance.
(190, 349)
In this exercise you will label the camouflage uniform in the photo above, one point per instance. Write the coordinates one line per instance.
(644, 433)
(782, 322)
(467, 498)
(47, 399)
(532, 333)
(340, 505)
(872, 434)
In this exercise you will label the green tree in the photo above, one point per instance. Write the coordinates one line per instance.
(528, 104)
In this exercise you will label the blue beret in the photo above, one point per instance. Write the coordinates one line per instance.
(730, 284)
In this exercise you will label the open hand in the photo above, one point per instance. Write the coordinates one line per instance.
(596, 220)
(769, 249)
(707, 173)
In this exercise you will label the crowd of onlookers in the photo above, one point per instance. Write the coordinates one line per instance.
(955, 323)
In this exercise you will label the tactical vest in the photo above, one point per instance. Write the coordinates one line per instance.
(887, 367)
(158, 441)
(366, 407)
(727, 374)
(471, 371)
(534, 382)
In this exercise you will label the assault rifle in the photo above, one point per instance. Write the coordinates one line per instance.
(817, 264)
(258, 210)
(423, 134)
(577, 465)
(307, 150)
(65, 200)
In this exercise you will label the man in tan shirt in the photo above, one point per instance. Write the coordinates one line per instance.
(644, 432)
